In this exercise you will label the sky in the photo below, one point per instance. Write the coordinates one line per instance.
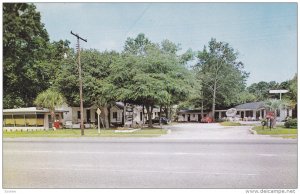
(264, 34)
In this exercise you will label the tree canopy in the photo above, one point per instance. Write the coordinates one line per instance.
(30, 61)
(221, 74)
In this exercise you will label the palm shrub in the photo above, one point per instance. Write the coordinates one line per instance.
(274, 105)
(50, 99)
(291, 123)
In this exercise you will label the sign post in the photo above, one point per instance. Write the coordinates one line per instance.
(98, 112)
(278, 91)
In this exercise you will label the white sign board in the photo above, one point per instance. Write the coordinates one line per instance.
(98, 111)
(278, 91)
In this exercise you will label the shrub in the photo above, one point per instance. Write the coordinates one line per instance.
(291, 123)
(264, 122)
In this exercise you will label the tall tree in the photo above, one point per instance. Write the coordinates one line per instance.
(221, 74)
(97, 89)
(30, 61)
(24, 42)
(152, 76)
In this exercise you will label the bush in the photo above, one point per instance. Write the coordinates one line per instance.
(264, 122)
(291, 123)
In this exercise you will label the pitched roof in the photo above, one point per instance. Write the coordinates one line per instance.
(189, 111)
(250, 105)
(29, 110)
(120, 105)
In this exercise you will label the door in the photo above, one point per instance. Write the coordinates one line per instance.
(199, 118)
(189, 117)
(50, 122)
(88, 116)
(242, 115)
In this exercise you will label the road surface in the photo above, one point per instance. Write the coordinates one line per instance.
(176, 160)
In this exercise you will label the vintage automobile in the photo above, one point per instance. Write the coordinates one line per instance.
(163, 120)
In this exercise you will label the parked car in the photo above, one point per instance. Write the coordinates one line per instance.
(163, 120)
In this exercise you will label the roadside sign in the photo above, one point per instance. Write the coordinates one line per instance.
(98, 111)
(270, 115)
(278, 91)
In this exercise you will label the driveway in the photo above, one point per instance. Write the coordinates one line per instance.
(210, 131)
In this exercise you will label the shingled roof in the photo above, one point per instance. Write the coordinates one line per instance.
(189, 111)
(250, 105)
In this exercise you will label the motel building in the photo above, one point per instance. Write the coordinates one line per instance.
(31, 118)
(252, 111)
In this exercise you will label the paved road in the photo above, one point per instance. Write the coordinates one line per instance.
(151, 162)
(211, 131)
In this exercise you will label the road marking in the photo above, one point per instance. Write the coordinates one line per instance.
(268, 155)
(142, 153)
(149, 171)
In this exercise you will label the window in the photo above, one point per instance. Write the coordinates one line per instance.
(223, 114)
(257, 114)
(277, 113)
(78, 114)
(141, 116)
(19, 120)
(115, 115)
(30, 120)
(249, 113)
(8, 121)
(40, 120)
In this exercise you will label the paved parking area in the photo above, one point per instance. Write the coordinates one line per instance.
(211, 131)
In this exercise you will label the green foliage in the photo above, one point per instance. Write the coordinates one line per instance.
(228, 123)
(245, 97)
(276, 104)
(220, 73)
(291, 123)
(277, 131)
(261, 89)
(30, 62)
(49, 99)
(264, 122)
(154, 76)
(96, 72)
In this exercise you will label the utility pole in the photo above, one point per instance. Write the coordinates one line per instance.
(80, 81)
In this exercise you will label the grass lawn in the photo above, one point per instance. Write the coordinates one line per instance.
(228, 123)
(279, 131)
(146, 132)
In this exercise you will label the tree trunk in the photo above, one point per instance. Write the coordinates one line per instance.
(108, 116)
(143, 116)
(105, 117)
(149, 112)
(159, 116)
(202, 114)
(52, 113)
(167, 112)
(214, 101)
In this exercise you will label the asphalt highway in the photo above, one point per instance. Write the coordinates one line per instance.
(168, 162)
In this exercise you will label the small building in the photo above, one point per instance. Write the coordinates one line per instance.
(116, 115)
(252, 111)
(190, 115)
(31, 118)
